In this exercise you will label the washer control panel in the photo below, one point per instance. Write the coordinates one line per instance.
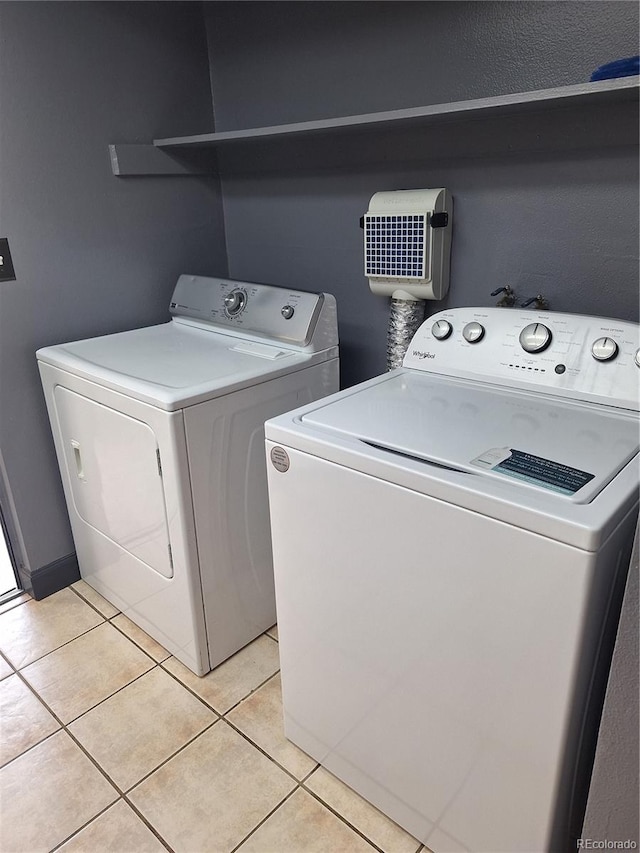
(571, 355)
(258, 309)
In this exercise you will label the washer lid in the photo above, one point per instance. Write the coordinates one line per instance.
(173, 365)
(568, 450)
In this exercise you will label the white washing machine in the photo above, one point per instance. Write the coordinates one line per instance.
(451, 542)
(159, 434)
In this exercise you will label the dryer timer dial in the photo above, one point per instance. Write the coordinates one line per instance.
(235, 301)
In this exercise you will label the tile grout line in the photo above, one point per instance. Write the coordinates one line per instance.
(266, 754)
(342, 817)
(94, 606)
(12, 603)
(124, 634)
(251, 692)
(156, 664)
(169, 655)
(46, 737)
(9, 664)
(147, 823)
(221, 714)
(169, 758)
(121, 798)
(61, 646)
(110, 619)
(104, 618)
(300, 783)
(64, 726)
(265, 819)
(120, 613)
(84, 826)
(121, 794)
(92, 707)
(124, 794)
(222, 718)
(187, 688)
(111, 695)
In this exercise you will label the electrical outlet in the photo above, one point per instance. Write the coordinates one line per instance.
(7, 273)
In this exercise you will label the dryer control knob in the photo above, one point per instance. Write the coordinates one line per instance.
(604, 349)
(441, 330)
(235, 301)
(638, 357)
(287, 311)
(535, 337)
(473, 332)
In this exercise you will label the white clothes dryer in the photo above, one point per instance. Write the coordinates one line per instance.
(159, 434)
(451, 542)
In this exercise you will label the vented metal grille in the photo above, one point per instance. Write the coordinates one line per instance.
(395, 246)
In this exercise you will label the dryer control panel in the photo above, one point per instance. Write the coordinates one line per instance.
(278, 313)
(570, 355)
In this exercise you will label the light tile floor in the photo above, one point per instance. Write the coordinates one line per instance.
(110, 744)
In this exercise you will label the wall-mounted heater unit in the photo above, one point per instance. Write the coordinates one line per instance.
(407, 249)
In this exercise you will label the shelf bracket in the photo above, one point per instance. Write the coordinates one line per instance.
(140, 160)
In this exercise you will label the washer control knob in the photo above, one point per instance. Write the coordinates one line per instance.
(235, 301)
(535, 337)
(441, 330)
(638, 357)
(604, 349)
(288, 311)
(473, 332)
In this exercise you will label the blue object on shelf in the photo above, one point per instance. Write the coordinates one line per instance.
(619, 68)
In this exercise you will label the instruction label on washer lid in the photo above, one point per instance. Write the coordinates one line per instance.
(533, 469)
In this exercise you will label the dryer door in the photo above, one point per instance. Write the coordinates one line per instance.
(115, 474)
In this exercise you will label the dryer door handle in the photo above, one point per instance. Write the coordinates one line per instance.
(78, 458)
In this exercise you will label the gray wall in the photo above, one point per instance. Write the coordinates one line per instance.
(93, 254)
(612, 811)
(545, 203)
(280, 62)
(541, 203)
